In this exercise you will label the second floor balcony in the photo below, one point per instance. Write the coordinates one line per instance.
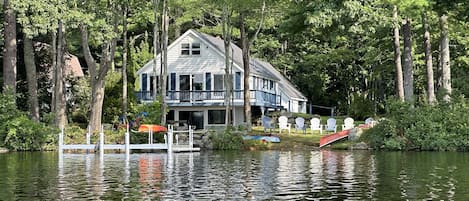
(186, 97)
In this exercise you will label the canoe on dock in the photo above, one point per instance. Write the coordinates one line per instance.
(153, 127)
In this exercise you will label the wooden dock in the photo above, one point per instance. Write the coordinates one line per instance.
(168, 145)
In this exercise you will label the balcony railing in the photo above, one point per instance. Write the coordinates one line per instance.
(259, 97)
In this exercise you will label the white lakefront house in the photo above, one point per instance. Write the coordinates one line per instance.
(196, 91)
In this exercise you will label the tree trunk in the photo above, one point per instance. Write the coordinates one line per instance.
(439, 70)
(408, 63)
(54, 68)
(124, 66)
(164, 66)
(226, 26)
(60, 114)
(245, 51)
(31, 76)
(445, 59)
(177, 27)
(156, 49)
(97, 76)
(9, 54)
(97, 98)
(428, 62)
(397, 58)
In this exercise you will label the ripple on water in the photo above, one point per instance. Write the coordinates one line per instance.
(267, 175)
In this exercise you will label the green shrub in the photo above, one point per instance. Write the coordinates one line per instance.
(361, 107)
(423, 127)
(153, 112)
(18, 132)
(226, 140)
(26, 135)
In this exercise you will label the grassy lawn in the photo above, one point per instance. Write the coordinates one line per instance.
(295, 140)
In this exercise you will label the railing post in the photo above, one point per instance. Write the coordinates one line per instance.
(170, 139)
(127, 140)
(88, 135)
(191, 137)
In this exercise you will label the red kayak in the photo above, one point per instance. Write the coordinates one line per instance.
(154, 128)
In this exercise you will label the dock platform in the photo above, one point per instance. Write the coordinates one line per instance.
(169, 145)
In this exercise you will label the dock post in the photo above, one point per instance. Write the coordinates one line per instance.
(127, 141)
(88, 135)
(151, 136)
(61, 143)
(191, 137)
(101, 142)
(170, 139)
(61, 138)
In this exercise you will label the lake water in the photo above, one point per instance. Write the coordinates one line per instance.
(255, 175)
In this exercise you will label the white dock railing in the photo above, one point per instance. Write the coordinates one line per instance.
(168, 145)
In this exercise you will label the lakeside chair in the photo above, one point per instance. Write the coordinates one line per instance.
(316, 125)
(348, 124)
(331, 125)
(283, 124)
(370, 122)
(300, 124)
(267, 123)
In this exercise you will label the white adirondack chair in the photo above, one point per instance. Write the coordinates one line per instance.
(283, 124)
(331, 125)
(267, 123)
(370, 122)
(300, 124)
(316, 125)
(348, 124)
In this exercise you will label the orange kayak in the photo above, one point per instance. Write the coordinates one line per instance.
(154, 128)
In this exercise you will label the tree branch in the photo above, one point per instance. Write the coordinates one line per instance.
(251, 40)
(90, 62)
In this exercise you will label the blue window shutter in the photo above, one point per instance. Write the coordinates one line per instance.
(173, 81)
(238, 80)
(144, 82)
(208, 81)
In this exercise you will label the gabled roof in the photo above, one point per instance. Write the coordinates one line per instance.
(284, 83)
(72, 64)
(256, 68)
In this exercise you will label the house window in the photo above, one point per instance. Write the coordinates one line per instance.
(190, 49)
(185, 49)
(195, 48)
(218, 82)
(216, 117)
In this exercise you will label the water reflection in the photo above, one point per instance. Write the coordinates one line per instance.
(255, 176)
(267, 175)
